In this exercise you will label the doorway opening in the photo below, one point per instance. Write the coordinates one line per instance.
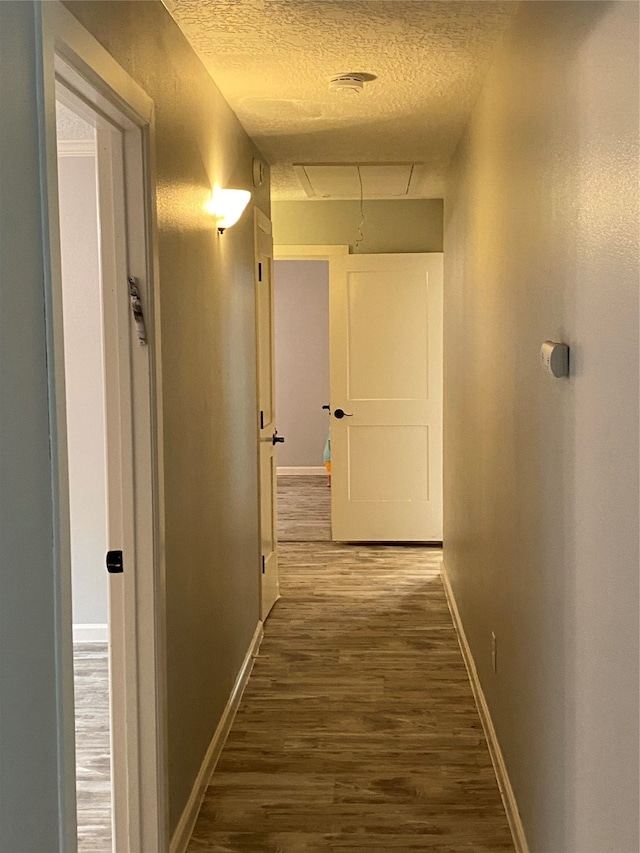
(386, 389)
(85, 388)
(104, 343)
(302, 390)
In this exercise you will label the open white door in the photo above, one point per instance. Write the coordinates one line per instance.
(386, 376)
(268, 438)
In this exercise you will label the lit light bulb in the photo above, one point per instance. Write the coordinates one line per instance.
(227, 206)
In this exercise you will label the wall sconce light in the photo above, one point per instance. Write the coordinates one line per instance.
(227, 206)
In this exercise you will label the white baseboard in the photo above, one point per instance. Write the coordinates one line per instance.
(504, 784)
(187, 822)
(91, 633)
(308, 471)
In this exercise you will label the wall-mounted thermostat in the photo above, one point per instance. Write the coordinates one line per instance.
(555, 358)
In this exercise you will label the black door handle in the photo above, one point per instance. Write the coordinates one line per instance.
(277, 439)
(339, 414)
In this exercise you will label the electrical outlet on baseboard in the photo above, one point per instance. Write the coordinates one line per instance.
(494, 652)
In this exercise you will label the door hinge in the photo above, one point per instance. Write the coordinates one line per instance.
(261, 420)
(263, 565)
(136, 308)
(115, 562)
(259, 272)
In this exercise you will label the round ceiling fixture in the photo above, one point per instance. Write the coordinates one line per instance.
(351, 83)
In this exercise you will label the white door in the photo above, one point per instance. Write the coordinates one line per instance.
(386, 376)
(268, 438)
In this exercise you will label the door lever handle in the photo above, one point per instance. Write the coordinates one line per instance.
(277, 439)
(339, 414)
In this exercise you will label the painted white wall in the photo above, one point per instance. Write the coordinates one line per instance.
(302, 360)
(84, 377)
(541, 475)
(30, 656)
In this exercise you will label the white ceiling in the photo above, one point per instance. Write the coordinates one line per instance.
(71, 126)
(272, 60)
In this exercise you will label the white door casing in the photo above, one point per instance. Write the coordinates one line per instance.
(267, 477)
(123, 479)
(89, 79)
(386, 375)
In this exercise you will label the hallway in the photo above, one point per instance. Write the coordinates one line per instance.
(358, 730)
(499, 136)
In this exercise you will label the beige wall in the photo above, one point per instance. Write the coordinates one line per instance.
(410, 225)
(84, 387)
(541, 475)
(208, 345)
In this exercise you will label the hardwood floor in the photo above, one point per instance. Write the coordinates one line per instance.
(304, 509)
(358, 731)
(93, 773)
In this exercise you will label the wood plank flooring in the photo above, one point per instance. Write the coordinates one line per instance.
(304, 509)
(93, 772)
(358, 731)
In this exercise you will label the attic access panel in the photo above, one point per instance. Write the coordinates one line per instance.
(342, 180)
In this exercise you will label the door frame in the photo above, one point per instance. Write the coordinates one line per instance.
(71, 56)
(263, 247)
(309, 253)
(332, 254)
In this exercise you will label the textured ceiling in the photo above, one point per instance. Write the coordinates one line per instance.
(339, 181)
(71, 126)
(272, 60)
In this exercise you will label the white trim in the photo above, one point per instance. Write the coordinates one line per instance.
(262, 221)
(76, 148)
(309, 470)
(91, 633)
(187, 822)
(302, 253)
(497, 759)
